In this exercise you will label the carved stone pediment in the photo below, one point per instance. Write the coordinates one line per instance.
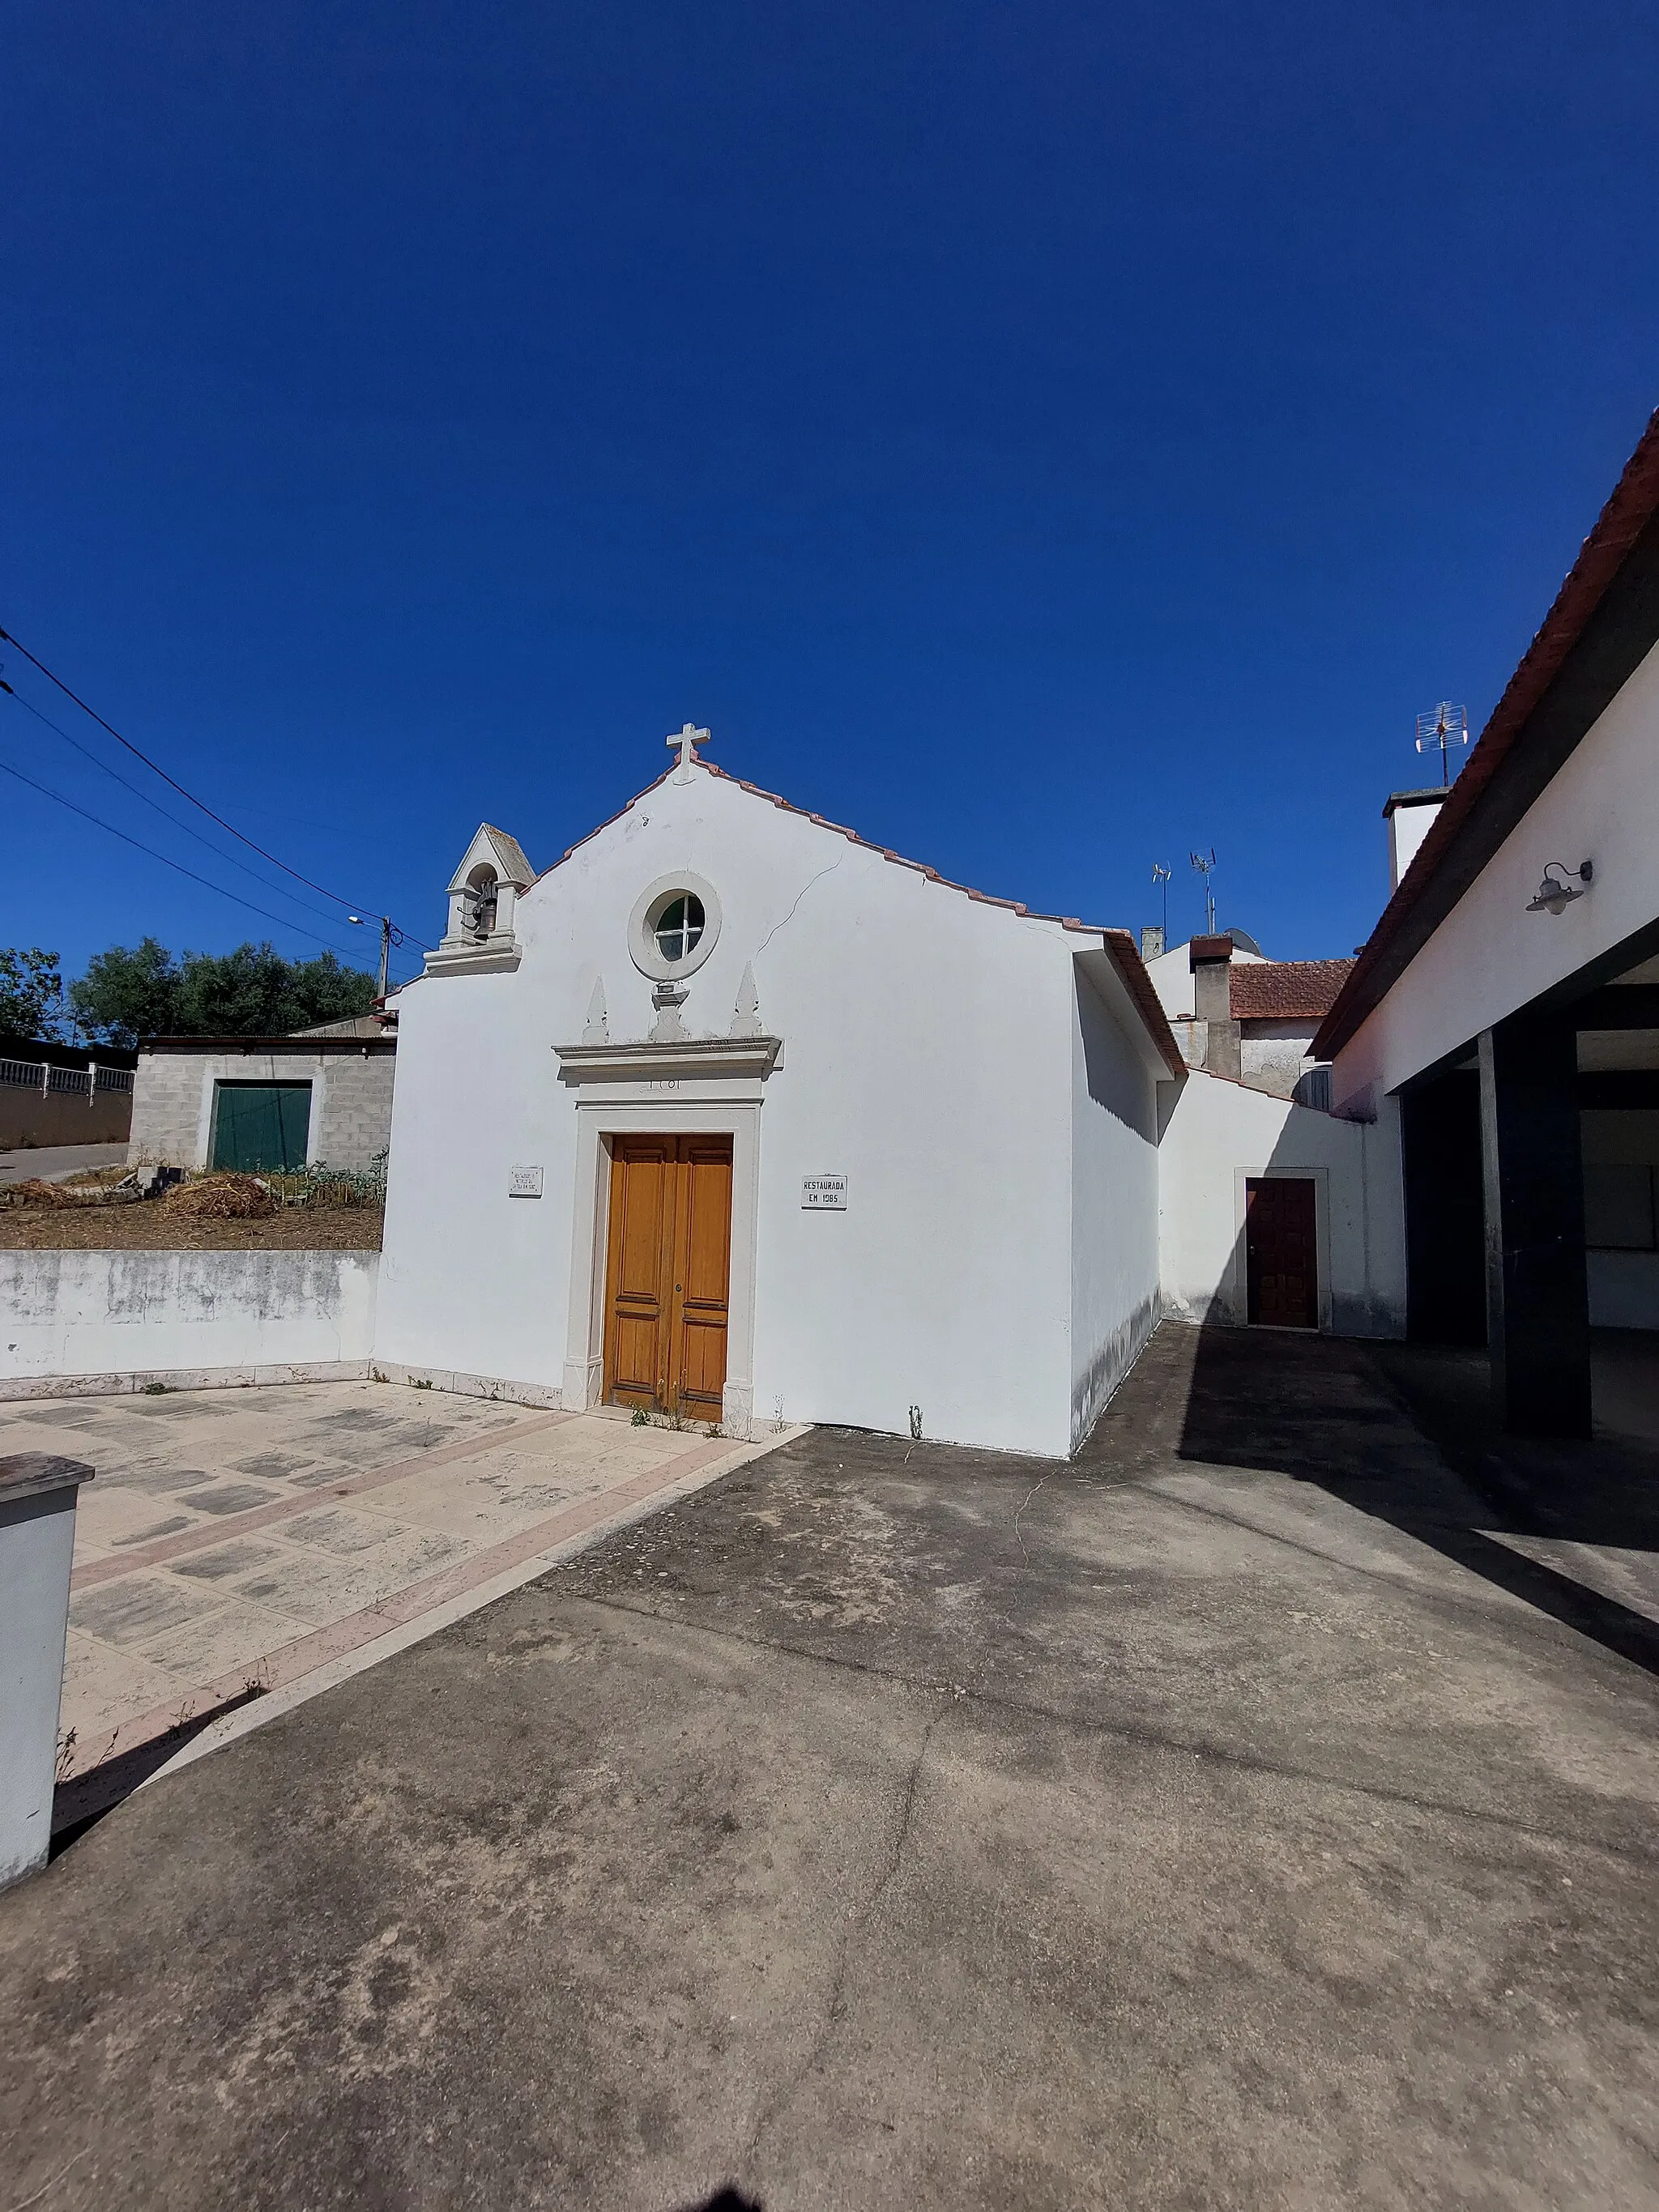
(646, 1062)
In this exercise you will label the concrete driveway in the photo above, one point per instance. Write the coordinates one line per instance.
(1233, 1818)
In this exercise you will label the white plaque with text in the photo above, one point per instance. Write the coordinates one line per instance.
(823, 1194)
(524, 1183)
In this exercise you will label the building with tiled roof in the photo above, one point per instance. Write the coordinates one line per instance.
(1238, 1014)
(1286, 990)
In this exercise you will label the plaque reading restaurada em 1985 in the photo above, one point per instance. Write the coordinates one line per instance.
(823, 1194)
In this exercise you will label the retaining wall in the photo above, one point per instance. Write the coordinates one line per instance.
(63, 1117)
(74, 1321)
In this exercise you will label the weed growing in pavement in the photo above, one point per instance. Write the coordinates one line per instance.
(153, 1390)
(641, 1419)
(65, 1755)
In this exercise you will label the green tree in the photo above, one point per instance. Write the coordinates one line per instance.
(145, 991)
(128, 994)
(254, 992)
(31, 993)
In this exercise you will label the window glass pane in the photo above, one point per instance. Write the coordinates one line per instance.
(1617, 1207)
(679, 925)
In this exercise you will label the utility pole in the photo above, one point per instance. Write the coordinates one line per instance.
(389, 937)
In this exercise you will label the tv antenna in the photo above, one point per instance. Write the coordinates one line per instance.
(1205, 863)
(1161, 876)
(1439, 730)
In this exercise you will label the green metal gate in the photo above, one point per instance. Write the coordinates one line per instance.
(259, 1127)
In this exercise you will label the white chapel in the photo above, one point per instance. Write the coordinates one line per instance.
(732, 1112)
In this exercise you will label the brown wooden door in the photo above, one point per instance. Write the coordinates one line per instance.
(668, 1273)
(1279, 1252)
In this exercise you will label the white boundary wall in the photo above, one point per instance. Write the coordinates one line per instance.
(1114, 1294)
(109, 1318)
(1221, 1134)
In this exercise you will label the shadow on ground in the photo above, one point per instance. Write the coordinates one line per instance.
(1571, 1527)
(1209, 1821)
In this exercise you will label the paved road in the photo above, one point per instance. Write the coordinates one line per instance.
(52, 1162)
(1233, 1818)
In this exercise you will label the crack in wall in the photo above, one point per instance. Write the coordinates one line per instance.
(800, 895)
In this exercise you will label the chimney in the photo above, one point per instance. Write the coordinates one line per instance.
(1210, 958)
(1152, 942)
(1410, 816)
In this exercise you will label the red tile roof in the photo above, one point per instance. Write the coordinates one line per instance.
(1286, 990)
(1120, 944)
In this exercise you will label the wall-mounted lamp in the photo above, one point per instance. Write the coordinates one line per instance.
(1555, 893)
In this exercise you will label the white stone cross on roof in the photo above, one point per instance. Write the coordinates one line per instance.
(688, 740)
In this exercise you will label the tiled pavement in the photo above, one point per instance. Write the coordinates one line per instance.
(236, 1537)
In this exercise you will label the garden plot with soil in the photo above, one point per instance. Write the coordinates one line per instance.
(203, 1213)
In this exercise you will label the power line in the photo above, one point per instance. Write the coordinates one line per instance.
(350, 905)
(156, 804)
(282, 920)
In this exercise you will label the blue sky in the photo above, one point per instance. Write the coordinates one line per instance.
(1046, 439)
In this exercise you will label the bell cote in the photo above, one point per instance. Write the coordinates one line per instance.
(484, 894)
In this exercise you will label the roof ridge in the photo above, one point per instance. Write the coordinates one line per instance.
(1118, 942)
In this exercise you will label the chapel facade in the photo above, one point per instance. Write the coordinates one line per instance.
(732, 1116)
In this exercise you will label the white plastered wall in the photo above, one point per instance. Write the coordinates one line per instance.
(1114, 1274)
(113, 1312)
(927, 1057)
(1274, 1054)
(1217, 1134)
(1488, 957)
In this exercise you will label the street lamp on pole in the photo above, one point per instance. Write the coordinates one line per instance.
(389, 937)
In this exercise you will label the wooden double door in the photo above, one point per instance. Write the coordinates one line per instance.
(1281, 1251)
(668, 1273)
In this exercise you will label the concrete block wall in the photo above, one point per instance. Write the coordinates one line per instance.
(354, 1122)
(166, 1110)
(351, 1104)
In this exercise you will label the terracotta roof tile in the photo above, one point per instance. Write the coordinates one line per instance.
(1286, 990)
